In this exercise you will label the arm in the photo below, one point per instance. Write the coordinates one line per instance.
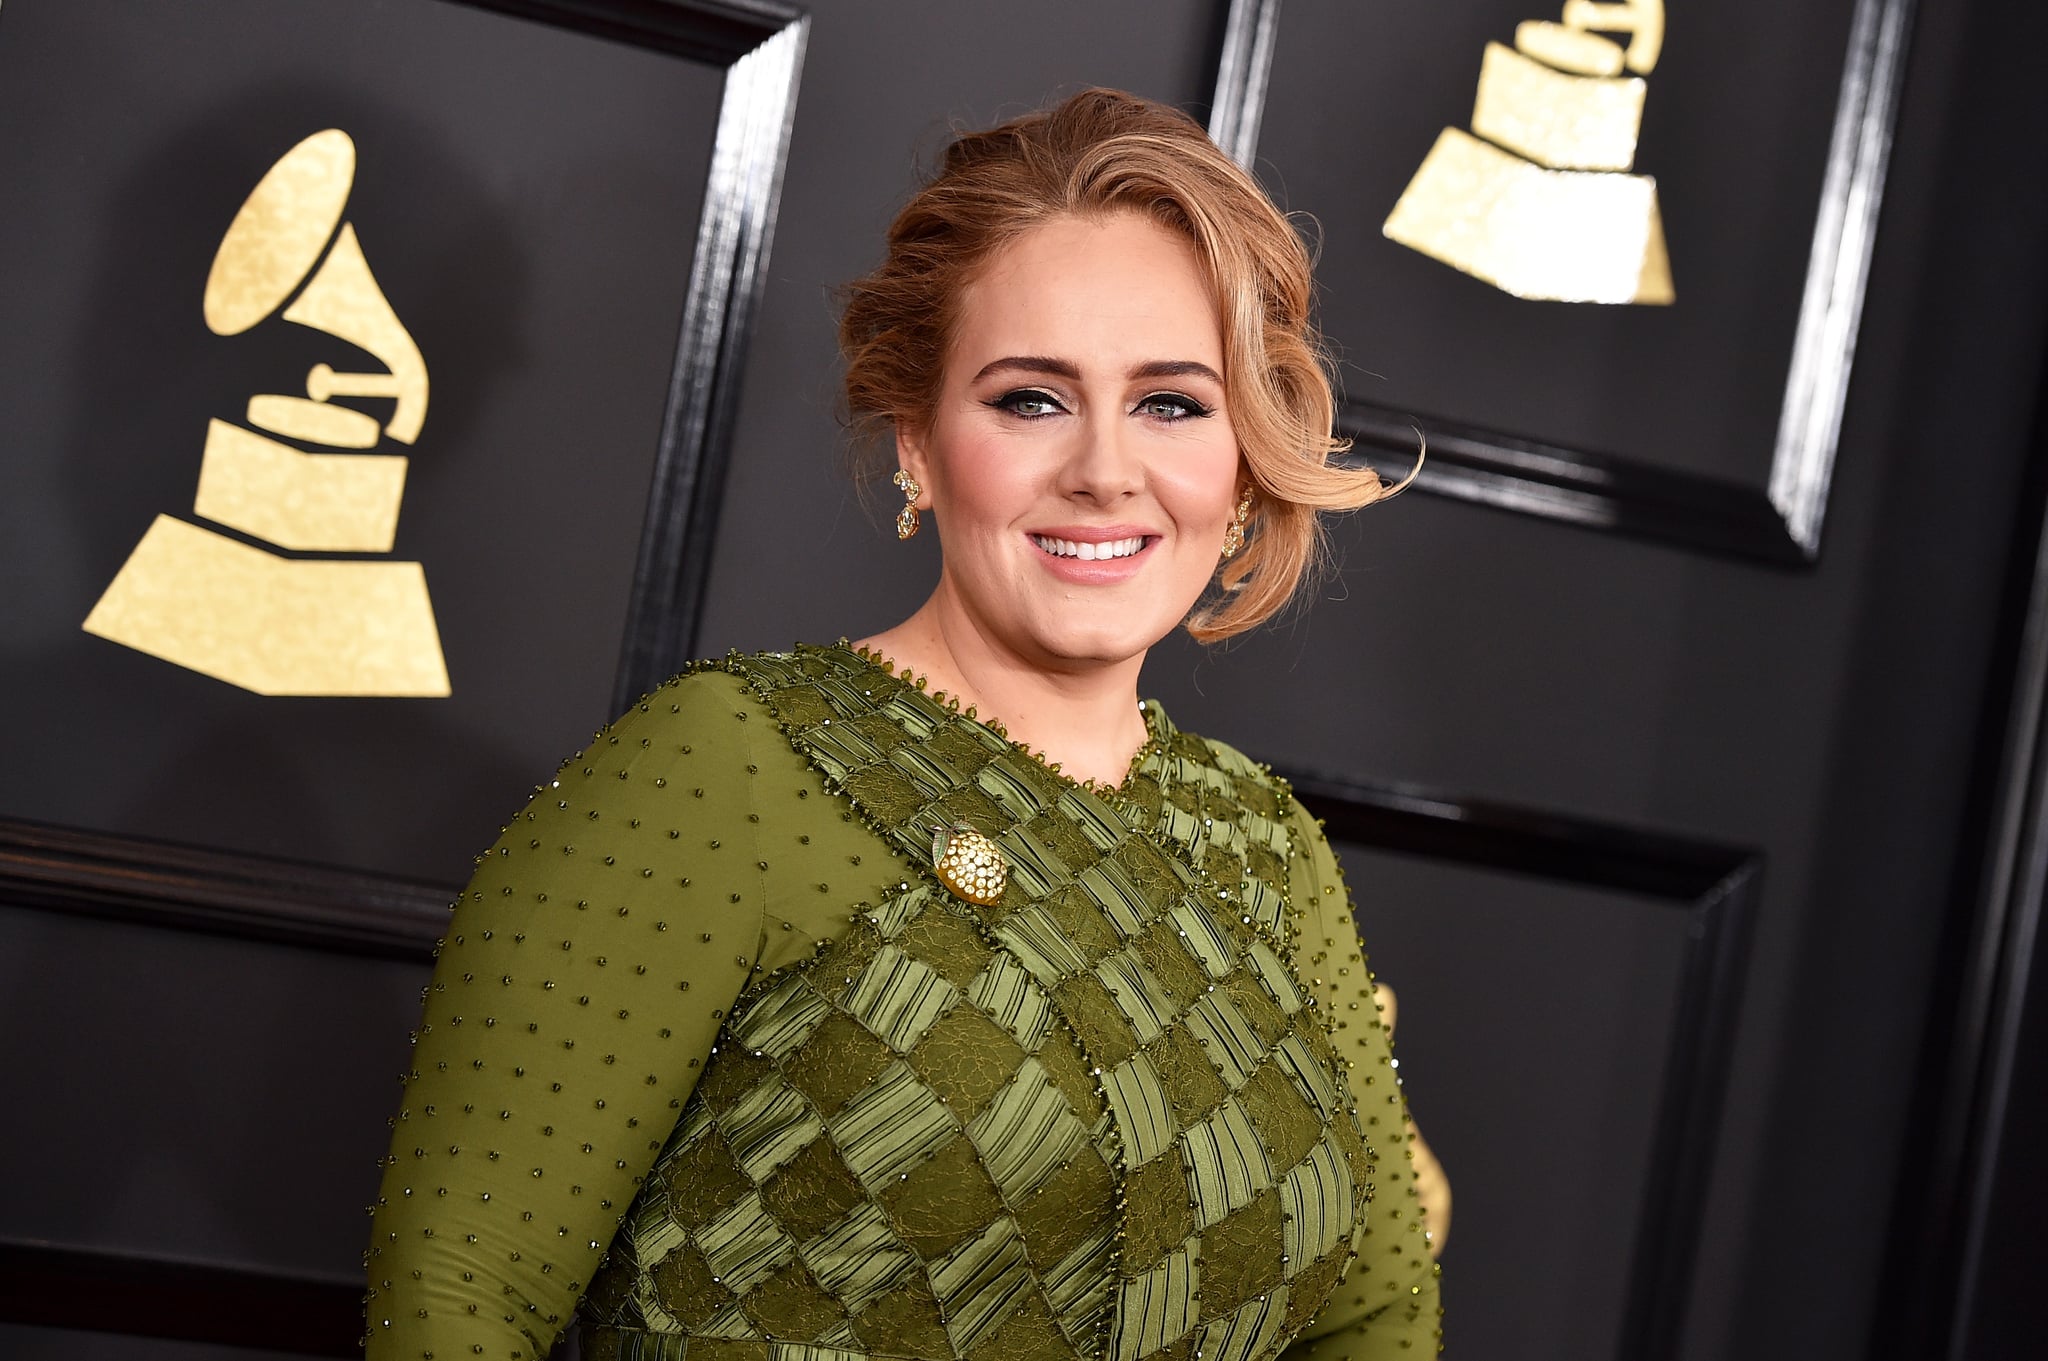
(585, 972)
(1387, 1305)
(1432, 1187)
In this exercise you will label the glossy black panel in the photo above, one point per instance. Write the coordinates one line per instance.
(1713, 889)
(1711, 424)
(198, 1100)
(1535, 1016)
(1970, 1219)
(572, 222)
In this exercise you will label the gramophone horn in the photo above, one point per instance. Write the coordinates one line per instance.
(343, 300)
(280, 232)
(277, 240)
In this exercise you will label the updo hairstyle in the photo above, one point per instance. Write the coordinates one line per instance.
(1097, 153)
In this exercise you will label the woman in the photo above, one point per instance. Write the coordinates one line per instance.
(808, 1017)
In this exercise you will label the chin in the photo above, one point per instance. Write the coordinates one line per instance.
(1108, 643)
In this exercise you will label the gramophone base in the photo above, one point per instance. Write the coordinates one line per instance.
(277, 626)
(1564, 235)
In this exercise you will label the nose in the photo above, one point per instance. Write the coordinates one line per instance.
(1103, 465)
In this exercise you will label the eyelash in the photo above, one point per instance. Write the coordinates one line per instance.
(1010, 401)
(1190, 409)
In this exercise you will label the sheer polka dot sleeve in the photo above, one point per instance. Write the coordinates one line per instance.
(586, 971)
(1387, 1305)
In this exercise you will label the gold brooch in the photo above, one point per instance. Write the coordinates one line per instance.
(969, 864)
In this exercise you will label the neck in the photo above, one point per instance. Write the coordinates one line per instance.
(1081, 715)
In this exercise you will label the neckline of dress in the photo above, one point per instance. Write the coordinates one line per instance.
(1159, 729)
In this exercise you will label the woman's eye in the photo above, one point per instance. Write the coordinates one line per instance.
(1172, 406)
(1027, 402)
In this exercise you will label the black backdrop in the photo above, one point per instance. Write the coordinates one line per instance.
(1824, 717)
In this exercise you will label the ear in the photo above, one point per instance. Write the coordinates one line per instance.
(911, 456)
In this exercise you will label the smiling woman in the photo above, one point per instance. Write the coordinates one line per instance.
(1098, 157)
(1080, 503)
(948, 1055)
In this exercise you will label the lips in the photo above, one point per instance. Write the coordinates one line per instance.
(1084, 550)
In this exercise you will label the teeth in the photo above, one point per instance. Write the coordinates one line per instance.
(1089, 552)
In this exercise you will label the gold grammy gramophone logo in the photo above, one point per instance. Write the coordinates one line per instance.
(269, 623)
(1540, 203)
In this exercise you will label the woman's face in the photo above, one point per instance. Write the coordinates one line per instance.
(1081, 463)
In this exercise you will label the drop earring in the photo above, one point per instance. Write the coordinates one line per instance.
(1233, 536)
(906, 518)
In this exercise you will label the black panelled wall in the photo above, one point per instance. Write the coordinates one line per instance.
(1557, 759)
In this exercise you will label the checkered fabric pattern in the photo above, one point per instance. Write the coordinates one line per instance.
(1099, 1118)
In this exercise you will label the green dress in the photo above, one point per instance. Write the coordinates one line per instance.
(711, 1049)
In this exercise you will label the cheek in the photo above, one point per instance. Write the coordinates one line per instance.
(984, 485)
(1201, 491)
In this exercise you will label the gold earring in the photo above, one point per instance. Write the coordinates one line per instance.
(906, 518)
(1233, 537)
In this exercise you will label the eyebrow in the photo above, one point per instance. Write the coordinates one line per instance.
(1066, 368)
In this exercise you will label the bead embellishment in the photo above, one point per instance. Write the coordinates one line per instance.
(969, 864)
(1115, 1071)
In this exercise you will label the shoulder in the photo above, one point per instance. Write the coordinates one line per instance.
(712, 718)
(1253, 783)
(700, 689)
(710, 696)
(777, 685)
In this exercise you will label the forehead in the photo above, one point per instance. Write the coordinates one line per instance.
(1113, 288)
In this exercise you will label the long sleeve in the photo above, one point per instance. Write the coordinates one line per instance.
(586, 971)
(1387, 1306)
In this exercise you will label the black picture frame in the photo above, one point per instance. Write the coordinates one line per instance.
(1779, 523)
(760, 46)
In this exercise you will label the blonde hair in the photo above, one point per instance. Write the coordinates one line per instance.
(1096, 153)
